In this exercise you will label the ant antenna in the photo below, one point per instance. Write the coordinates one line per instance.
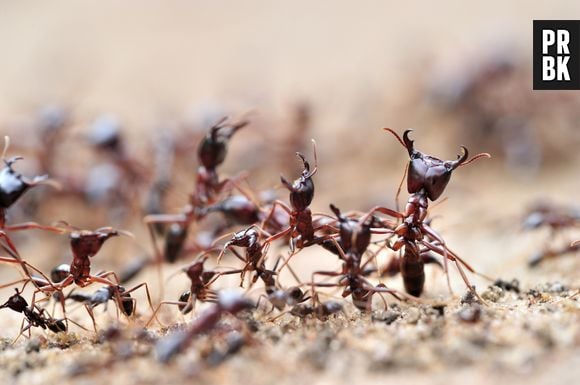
(6, 145)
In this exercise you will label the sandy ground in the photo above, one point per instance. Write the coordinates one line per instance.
(180, 63)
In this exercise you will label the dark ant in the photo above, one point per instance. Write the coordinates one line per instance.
(354, 239)
(229, 302)
(121, 296)
(104, 295)
(12, 186)
(199, 290)
(211, 153)
(556, 219)
(35, 315)
(321, 311)
(254, 259)
(426, 180)
(280, 298)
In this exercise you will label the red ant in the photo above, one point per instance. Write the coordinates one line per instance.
(302, 227)
(556, 219)
(84, 245)
(229, 302)
(211, 153)
(354, 239)
(199, 290)
(426, 180)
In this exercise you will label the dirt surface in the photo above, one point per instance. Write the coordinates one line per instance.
(174, 66)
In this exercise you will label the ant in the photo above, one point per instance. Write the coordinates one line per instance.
(199, 290)
(321, 311)
(354, 239)
(255, 256)
(211, 153)
(228, 302)
(427, 178)
(120, 295)
(302, 227)
(12, 186)
(280, 298)
(556, 219)
(35, 315)
(84, 245)
(105, 294)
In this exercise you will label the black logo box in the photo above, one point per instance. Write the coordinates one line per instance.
(573, 28)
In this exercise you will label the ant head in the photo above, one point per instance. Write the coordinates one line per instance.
(427, 172)
(302, 190)
(86, 243)
(244, 238)
(213, 147)
(13, 184)
(16, 302)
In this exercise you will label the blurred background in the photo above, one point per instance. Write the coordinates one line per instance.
(81, 79)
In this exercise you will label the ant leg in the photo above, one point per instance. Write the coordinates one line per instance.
(236, 183)
(147, 293)
(434, 235)
(314, 284)
(276, 203)
(401, 187)
(281, 234)
(154, 315)
(92, 315)
(11, 247)
(23, 280)
(26, 266)
(75, 323)
(383, 288)
(263, 296)
(99, 279)
(290, 269)
(34, 226)
(106, 274)
(382, 210)
(453, 258)
(22, 330)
